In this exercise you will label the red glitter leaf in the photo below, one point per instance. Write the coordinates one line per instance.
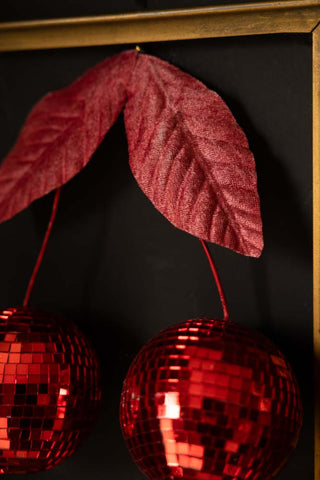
(62, 132)
(186, 150)
(191, 158)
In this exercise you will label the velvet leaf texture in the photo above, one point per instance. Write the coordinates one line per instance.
(191, 158)
(62, 132)
(186, 150)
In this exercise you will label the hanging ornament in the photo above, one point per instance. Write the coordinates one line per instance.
(49, 384)
(208, 399)
(49, 390)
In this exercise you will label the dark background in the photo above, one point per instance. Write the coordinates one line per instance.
(118, 268)
(13, 10)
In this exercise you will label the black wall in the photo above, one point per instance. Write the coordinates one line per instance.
(12, 10)
(118, 268)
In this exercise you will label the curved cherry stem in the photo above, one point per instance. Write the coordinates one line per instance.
(43, 248)
(217, 280)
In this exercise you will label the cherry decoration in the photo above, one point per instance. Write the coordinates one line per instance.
(50, 389)
(206, 399)
(209, 399)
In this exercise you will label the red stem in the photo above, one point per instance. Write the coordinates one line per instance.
(217, 280)
(43, 248)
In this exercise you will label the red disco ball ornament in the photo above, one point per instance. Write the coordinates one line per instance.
(49, 389)
(210, 400)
